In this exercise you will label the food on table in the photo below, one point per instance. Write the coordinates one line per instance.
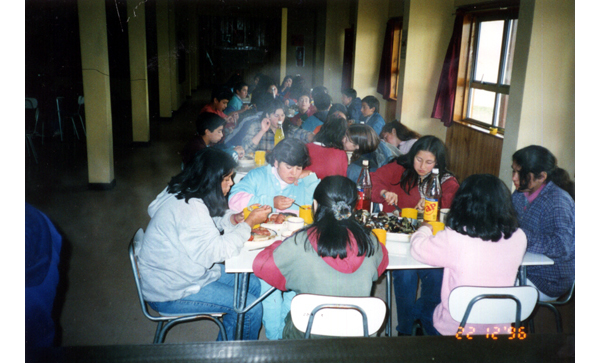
(279, 218)
(391, 223)
(261, 234)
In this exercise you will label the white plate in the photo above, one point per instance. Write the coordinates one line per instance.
(246, 162)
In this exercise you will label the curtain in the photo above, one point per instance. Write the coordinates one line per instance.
(387, 67)
(443, 107)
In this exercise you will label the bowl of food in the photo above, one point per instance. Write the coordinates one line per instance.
(246, 162)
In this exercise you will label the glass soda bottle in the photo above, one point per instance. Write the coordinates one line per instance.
(364, 187)
(433, 197)
(279, 132)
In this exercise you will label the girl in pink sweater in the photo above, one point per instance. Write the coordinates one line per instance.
(481, 246)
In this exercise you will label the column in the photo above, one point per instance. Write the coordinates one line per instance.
(163, 50)
(283, 62)
(96, 89)
(140, 114)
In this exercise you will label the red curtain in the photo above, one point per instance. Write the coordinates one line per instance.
(443, 107)
(384, 84)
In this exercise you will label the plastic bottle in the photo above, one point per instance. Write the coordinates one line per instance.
(364, 187)
(279, 132)
(433, 197)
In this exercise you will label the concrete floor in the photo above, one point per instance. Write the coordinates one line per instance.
(97, 302)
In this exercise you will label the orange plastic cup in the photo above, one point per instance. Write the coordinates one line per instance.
(437, 226)
(409, 213)
(381, 235)
(305, 213)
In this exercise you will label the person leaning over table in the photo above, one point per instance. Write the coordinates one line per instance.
(403, 183)
(545, 205)
(278, 184)
(399, 135)
(481, 245)
(190, 232)
(261, 133)
(327, 150)
(334, 256)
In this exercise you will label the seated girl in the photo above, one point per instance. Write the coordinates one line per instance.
(403, 183)
(545, 205)
(327, 150)
(280, 183)
(190, 232)
(364, 144)
(334, 256)
(399, 135)
(481, 246)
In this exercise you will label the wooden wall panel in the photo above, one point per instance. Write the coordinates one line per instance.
(472, 151)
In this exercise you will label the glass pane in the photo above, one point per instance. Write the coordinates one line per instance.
(488, 51)
(512, 33)
(482, 105)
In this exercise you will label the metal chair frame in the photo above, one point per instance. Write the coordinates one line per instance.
(552, 306)
(32, 104)
(165, 322)
(62, 113)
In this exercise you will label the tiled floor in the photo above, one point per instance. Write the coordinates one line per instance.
(98, 303)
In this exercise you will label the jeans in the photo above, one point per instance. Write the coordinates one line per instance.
(217, 297)
(405, 289)
(275, 307)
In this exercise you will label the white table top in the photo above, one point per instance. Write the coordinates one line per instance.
(399, 255)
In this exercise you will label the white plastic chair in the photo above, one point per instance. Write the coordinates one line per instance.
(492, 305)
(165, 322)
(337, 316)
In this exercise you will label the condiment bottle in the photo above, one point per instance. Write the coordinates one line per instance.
(364, 188)
(433, 197)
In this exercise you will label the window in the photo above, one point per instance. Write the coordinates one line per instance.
(389, 69)
(487, 65)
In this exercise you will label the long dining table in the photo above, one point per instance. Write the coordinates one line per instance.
(399, 259)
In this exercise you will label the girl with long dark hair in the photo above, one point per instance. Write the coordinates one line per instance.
(327, 148)
(333, 256)
(481, 246)
(399, 135)
(403, 183)
(190, 232)
(545, 205)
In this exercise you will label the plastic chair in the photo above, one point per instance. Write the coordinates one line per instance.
(492, 305)
(165, 321)
(64, 112)
(562, 300)
(31, 122)
(337, 316)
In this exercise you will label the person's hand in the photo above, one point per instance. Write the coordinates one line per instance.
(310, 137)
(236, 116)
(265, 125)
(391, 198)
(421, 205)
(237, 218)
(240, 151)
(426, 224)
(280, 202)
(231, 119)
(244, 108)
(258, 215)
(287, 102)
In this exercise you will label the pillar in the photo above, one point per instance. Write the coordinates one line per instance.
(140, 114)
(96, 89)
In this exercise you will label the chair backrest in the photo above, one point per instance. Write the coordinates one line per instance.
(31, 103)
(134, 248)
(32, 113)
(492, 305)
(338, 316)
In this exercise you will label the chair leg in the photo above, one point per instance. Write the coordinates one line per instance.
(158, 332)
(60, 127)
(75, 128)
(82, 125)
(29, 145)
(556, 315)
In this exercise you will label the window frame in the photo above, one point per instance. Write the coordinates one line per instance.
(466, 83)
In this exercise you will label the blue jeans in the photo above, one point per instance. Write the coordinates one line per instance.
(407, 307)
(217, 297)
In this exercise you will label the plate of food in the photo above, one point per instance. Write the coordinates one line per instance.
(260, 237)
(276, 221)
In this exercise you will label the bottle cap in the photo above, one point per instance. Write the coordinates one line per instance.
(435, 171)
(365, 162)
